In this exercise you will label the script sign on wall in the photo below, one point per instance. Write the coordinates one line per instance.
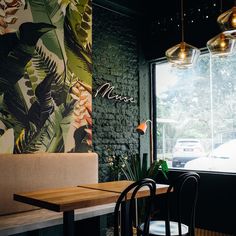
(106, 90)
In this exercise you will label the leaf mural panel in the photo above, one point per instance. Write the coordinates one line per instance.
(50, 12)
(78, 41)
(45, 76)
(78, 31)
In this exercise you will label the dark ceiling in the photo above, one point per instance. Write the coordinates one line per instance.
(160, 24)
(163, 8)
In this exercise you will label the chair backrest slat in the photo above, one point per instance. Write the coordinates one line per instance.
(125, 212)
(185, 193)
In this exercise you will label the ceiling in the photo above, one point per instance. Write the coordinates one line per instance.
(160, 24)
(159, 8)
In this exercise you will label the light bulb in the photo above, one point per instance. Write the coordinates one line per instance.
(233, 20)
(223, 43)
(182, 54)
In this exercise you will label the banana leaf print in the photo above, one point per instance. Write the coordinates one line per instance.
(16, 50)
(45, 102)
(49, 11)
(78, 31)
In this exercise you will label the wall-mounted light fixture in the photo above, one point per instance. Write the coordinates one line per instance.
(141, 129)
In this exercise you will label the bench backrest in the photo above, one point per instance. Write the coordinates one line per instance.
(29, 172)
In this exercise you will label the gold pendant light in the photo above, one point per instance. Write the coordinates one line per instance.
(182, 55)
(221, 45)
(227, 20)
(224, 43)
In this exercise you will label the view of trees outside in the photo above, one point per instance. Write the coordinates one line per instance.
(196, 103)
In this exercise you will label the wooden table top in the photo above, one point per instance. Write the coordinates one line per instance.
(71, 198)
(119, 186)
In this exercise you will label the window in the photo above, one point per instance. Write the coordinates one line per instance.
(195, 113)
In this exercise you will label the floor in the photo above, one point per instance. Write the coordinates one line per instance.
(199, 232)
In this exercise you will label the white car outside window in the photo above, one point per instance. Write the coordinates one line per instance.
(222, 158)
(186, 150)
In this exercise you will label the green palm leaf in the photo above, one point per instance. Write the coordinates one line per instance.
(136, 169)
(28, 141)
(46, 139)
(48, 11)
(44, 65)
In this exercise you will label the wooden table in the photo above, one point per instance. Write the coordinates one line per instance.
(119, 186)
(68, 199)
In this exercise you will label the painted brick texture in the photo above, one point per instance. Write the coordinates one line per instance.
(115, 60)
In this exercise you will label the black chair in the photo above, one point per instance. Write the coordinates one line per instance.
(179, 211)
(126, 209)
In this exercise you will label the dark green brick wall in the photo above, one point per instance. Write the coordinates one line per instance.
(115, 60)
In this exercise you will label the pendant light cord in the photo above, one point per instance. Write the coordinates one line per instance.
(182, 20)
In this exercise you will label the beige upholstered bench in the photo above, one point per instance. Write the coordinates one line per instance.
(29, 172)
(41, 218)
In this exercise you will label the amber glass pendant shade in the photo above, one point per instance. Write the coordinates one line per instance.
(183, 55)
(227, 20)
(222, 45)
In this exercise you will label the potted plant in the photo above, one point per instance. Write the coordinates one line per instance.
(136, 168)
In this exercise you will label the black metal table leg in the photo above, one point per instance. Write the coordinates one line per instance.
(68, 223)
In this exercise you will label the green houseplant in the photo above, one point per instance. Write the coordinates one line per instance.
(136, 168)
(133, 167)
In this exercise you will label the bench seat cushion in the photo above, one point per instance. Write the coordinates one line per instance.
(29, 172)
(42, 218)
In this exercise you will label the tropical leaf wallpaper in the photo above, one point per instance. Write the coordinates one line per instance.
(45, 76)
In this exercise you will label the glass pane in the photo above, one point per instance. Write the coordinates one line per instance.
(196, 114)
